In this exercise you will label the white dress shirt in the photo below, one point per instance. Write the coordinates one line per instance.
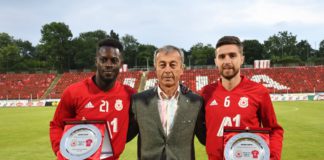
(167, 109)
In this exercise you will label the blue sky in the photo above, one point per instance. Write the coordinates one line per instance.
(179, 22)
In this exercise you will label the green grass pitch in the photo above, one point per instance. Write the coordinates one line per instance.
(24, 132)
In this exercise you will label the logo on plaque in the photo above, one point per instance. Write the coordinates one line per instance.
(243, 144)
(80, 141)
(86, 139)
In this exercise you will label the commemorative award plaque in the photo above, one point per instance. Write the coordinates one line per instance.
(246, 143)
(85, 140)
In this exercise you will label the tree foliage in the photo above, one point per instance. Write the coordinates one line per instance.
(14, 53)
(60, 51)
(281, 44)
(253, 50)
(26, 49)
(56, 41)
(5, 39)
(131, 47)
(304, 49)
(84, 48)
(202, 54)
(144, 55)
(321, 49)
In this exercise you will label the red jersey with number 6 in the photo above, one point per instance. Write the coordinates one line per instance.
(247, 105)
(84, 100)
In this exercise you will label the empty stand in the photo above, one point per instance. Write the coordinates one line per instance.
(131, 79)
(24, 86)
(277, 80)
(66, 80)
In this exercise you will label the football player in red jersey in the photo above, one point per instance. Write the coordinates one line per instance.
(236, 101)
(99, 97)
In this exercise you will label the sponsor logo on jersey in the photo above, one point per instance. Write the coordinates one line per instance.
(244, 102)
(119, 105)
(89, 105)
(213, 103)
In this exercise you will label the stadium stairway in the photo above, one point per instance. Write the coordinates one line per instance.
(53, 84)
(142, 81)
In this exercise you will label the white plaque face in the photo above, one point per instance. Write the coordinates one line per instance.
(246, 146)
(80, 141)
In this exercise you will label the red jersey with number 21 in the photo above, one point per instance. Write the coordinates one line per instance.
(247, 105)
(85, 100)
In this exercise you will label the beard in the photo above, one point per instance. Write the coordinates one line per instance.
(229, 72)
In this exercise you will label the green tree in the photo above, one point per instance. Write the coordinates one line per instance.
(113, 35)
(131, 46)
(280, 45)
(290, 60)
(145, 54)
(321, 49)
(253, 50)
(10, 58)
(16, 55)
(11, 52)
(304, 49)
(202, 54)
(26, 49)
(5, 39)
(318, 58)
(84, 48)
(56, 44)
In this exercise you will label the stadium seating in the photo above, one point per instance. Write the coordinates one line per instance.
(291, 80)
(24, 86)
(128, 78)
(67, 79)
(277, 80)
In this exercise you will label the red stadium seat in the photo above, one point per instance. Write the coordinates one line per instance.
(24, 86)
(277, 80)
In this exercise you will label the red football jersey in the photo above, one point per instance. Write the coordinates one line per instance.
(247, 105)
(84, 100)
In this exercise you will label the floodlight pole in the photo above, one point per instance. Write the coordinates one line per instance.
(147, 63)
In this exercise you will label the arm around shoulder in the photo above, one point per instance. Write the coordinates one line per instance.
(132, 126)
(200, 129)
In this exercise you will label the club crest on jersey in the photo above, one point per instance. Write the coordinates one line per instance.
(213, 103)
(119, 105)
(244, 102)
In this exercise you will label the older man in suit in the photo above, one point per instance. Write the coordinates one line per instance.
(168, 116)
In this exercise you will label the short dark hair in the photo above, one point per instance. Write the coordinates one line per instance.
(230, 40)
(110, 43)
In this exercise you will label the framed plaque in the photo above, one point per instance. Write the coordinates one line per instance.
(86, 140)
(246, 143)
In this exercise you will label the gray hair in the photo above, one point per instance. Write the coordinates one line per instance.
(168, 49)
